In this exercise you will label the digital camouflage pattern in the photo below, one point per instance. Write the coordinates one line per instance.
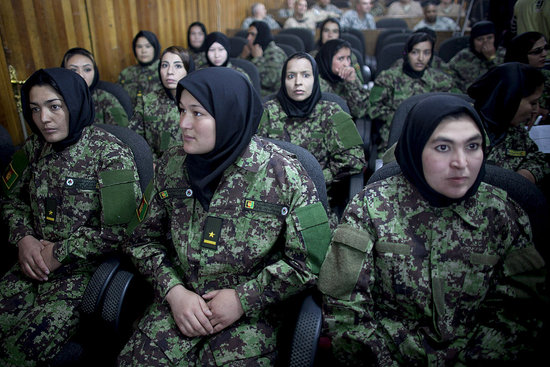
(199, 59)
(518, 151)
(138, 80)
(356, 96)
(392, 86)
(270, 66)
(269, 211)
(545, 98)
(231, 66)
(80, 199)
(108, 109)
(466, 68)
(156, 118)
(410, 284)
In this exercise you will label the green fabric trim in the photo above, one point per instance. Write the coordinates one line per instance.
(315, 230)
(119, 115)
(138, 218)
(439, 295)
(394, 248)
(264, 120)
(117, 196)
(14, 170)
(523, 260)
(344, 261)
(165, 138)
(346, 130)
(484, 259)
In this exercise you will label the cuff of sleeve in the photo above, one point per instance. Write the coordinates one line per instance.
(250, 297)
(61, 252)
(17, 236)
(166, 281)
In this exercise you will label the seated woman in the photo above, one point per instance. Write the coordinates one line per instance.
(107, 108)
(432, 266)
(507, 100)
(403, 80)
(227, 236)
(262, 51)
(196, 35)
(217, 49)
(71, 190)
(299, 115)
(339, 77)
(142, 78)
(532, 48)
(156, 116)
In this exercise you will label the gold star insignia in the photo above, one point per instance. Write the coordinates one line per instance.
(211, 234)
(50, 212)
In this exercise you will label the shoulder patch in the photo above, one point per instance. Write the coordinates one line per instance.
(13, 171)
(346, 129)
(117, 196)
(315, 230)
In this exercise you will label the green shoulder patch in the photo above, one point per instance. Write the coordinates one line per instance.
(313, 224)
(117, 196)
(346, 130)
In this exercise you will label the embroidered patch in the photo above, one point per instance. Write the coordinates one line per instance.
(163, 194)
(142, 209)
(516, 153)
(81, 183)
(10, 177)
(211, 233)
(270, 208)
(175, 193)
(51, 210)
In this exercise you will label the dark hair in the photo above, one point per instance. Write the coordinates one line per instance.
(77, 51)
(39, 79)
(520, 45)
(533, 80)
(416, 38)
(328, 20)
(428, 2)
(182, 53)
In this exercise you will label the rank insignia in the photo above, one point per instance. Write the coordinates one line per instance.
(51, 209)
(211, 233)
(516, 153)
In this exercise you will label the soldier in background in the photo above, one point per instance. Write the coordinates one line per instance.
(227, 236)
(108, 109)
(143, 77)
(196, 35)
(71, 191)
(432, 266)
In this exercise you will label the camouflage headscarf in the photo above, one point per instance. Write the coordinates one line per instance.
(76, 96)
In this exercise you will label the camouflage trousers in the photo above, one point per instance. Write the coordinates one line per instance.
(158, 342)
(37, 319)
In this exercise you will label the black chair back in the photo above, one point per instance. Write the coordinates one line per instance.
(305, 34)
(291, 40)
(120, 94)
(250, 69)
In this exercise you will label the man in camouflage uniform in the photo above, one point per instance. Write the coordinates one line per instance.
(75, 201)
(269, 58)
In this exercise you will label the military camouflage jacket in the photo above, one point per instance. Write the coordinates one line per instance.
(80, 198)
(545, 98)
(356, 96)
(156, 118)
(270, 66)
(393, 86)
(410, 284)
(518, 151)
(328, 133)
(231, 66)
(465, 67)
(108, 109)
(138, 80)
(199, 58)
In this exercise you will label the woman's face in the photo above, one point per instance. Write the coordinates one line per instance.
(83, 66)
(330, 32)
(453, 156)
(49, 113)
(299, 79)
(486, 41)
(341, 59)
(172, 70)
(420, 55)
(537, 54)
(528, 107)
(217, 54)
(145, 51)
(196, 36)
(197, 126)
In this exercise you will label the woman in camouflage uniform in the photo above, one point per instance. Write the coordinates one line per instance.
(142, 78)
(338, 76)
(507, 99)
(156, 114)
(108, 109)
(432, 266)
(299, 115)
(217, 49)
(70, 190)
(234, 227)
(414, 75)
(196, 35)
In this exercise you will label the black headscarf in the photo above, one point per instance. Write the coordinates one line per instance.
(479, 29)
(520, 45)
(498, 93)
(299, 108)
(420, 124)
(187, 60)
(328, 20)
(82, 51)
(324, 58)
(203, 28)
(76, 96)
(264, 36)
(237, 108)
(222, 40)
(414, 39)
(153, 40)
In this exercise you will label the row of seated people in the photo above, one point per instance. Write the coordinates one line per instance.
(232, 227)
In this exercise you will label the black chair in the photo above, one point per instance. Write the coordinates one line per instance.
(243, 33)
(359, 34)
(305, 34)
(237, 44)
(250, 69)
(291, 40)
(381, 40)
(451, 46)
(120, 94)
(289, 50)
(391, 23)
(389, 54)
(354, 42)
(365, 69)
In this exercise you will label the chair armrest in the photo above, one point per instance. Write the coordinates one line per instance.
(95, 290)
(306, 334)
(114, 299)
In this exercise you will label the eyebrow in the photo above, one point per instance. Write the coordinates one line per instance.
(48, 101)
(443, 139)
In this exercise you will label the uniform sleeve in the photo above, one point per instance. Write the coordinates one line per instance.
(119, 196)
(136, 123)
(534, 161)
(270, 65)
(381, 104)
(110, 110)
(356, 96)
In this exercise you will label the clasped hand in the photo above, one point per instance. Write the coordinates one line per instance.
(36, 258)
(201, 316)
